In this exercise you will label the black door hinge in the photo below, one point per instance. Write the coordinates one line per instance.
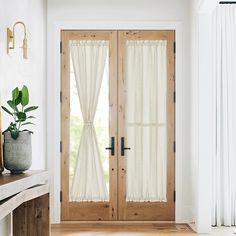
(174, 47)
(60, 146)
(174, 97)
(61, 47)
(61, 96)
(60, 196)
(174, 146)
(174, 196)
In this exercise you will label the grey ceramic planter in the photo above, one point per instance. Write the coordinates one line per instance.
(17, 152)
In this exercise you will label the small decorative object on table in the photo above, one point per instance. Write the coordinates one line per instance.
(17, 139)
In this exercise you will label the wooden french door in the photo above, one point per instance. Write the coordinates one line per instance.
(88, 210)
(119, 205)
(163, 209)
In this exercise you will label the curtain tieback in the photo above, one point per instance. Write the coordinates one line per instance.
(88, 123)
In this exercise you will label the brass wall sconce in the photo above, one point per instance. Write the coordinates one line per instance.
(11, 39)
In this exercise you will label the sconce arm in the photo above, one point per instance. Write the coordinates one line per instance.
(19, 22)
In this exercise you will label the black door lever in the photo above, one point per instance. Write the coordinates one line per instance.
(112, 147)
(123, 148)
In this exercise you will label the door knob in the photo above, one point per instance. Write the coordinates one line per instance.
(112, 147)
(123, 148)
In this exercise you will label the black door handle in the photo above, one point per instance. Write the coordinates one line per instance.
(123, 148)
(112, 147)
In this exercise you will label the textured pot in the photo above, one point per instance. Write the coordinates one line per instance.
(17, 152)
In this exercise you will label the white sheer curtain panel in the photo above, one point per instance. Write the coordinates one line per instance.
(146, 120)
(224, 161)
(88, 57)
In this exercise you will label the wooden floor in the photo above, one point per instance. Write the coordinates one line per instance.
(121, 230)
(85, 229)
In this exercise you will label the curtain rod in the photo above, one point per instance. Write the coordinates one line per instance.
(227, 2)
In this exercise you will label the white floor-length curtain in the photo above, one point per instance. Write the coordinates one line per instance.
(88, 57)
(146, 120)
(224, 69)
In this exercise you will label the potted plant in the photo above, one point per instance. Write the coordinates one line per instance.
(17, 139)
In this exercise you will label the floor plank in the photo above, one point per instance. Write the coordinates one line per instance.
(121, 229)
(85, 229)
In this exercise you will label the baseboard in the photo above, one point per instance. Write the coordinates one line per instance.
(192, 225)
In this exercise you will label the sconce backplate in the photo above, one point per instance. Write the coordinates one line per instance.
(10, 38)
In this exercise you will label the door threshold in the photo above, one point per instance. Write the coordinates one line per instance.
(117, 222)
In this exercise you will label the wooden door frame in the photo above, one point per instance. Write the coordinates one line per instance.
(147, 210)
(87, 210)
(65, 163)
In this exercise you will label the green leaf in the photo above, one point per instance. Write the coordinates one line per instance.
(25, 96)
(31, 117)
(6, 110)
(15, 94)
(26, 130)
(21, 116)
(27, 123)
(31, 108)
(14, 134)
(11, 104)
(18, 100)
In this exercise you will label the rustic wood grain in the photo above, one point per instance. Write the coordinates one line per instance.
(146, 210)
(32, 218)
(20, 220)
(117, 208)
(10, 204)
(121, 229)
(26, 195)
(88, 210)
(13, 184)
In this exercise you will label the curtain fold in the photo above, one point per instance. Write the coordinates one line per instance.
(88, 57)
(224, 71)
(146, 120)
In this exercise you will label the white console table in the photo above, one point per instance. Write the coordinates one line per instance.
(27, 196)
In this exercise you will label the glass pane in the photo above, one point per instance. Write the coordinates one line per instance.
(101, 123)
(146, 120)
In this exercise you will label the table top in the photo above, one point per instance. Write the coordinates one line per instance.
(7, 177)
(12, 184)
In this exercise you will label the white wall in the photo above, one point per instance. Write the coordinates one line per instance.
(14, 71)
(118, 10)
(90, 14)
(202, 115)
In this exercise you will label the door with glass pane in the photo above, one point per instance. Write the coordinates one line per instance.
(89, 125)
(117, 117)
(146, 84)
